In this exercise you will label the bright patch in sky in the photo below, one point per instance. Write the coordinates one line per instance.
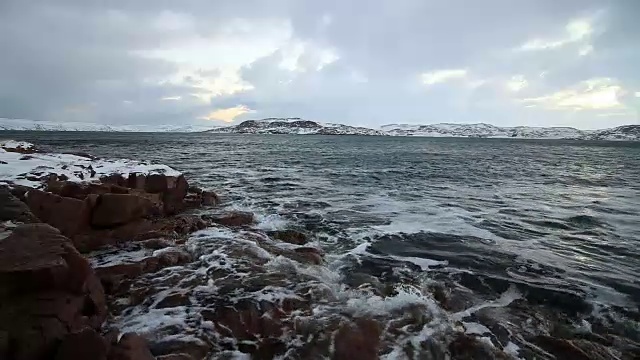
(575, 31)
(517, 83)
(593, 94)
(228, 114)
(440, 76)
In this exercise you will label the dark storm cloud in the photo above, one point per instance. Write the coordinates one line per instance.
(177, 62)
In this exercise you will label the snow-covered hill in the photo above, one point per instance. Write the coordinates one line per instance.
(31, 125)
(482, 130)
(298, 126)
(295, 126)
(626, 132)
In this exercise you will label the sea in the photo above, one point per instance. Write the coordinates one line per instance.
(502, 239)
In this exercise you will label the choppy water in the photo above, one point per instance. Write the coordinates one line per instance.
(557, 222)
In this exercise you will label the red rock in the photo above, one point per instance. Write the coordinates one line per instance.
(467, 347)
(573, 349)
(69, 215)
(136, 181)
(360, 340)
(174, 195)
(236, 218)
(312, 255)
(12, 209)
(83, 345)
(117, 209)
(290, 236)
(159, 183)
(114, 179)
(47, 290)
(209, 198)
(131, 347)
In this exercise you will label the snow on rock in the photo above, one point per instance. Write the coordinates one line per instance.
(482, 130)
(294, 126)
(30, 169)
(16, 146)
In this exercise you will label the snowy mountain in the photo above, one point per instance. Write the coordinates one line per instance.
(31, 125)
(295, 126)
(626, 132)
(482, 130)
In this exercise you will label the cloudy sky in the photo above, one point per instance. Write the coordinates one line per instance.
(505, 62)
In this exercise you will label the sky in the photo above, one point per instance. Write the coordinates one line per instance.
(367, 63)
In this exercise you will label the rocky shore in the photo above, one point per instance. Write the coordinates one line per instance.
(123, 260)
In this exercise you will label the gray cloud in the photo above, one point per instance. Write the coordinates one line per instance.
(171, 62)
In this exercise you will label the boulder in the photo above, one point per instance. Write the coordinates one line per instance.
(358, 340)
(236, 218)
(573, 349)
(69, 215)
(210, 198)
(117, 209)
(136, 181)
(14, 210)
(465, 347)
(174, 196)
(47, 291)
(309, 255)
(83, 345)
(114, 179)
(130, 347)
(289, 236)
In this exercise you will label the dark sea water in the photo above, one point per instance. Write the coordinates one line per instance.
(556, 223)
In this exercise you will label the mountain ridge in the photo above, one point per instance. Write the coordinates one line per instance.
(299, 126)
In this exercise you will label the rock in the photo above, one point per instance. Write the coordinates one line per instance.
(573, 349)
(192, 347)
(209, 198)
(174, 196)
(114, 272)
(194, 190)
(289, 236)
(236, 218)
(180, 356)
(131, 347)
(83, 345)
(114, 179)
(136, 181)
(69, 215)
(117, 209)
(12, 209)
(311, 255)
(467, 347)
(159, 183)
(47, 291)
(358, 340)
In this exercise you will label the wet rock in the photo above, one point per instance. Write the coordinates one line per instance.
(131, 347)
(209, 198)
(174, 196)
(114, 179)
(136, 181)
(466, 347)
(83, 345)
(573, 349)
(116, 209)
(12, 209)
(113, 272)
(180, 356)
(234, 219)
(69, 215)
(193, 347)
(289, 236)
(309, 255)
(358, 340)
(47, 291)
